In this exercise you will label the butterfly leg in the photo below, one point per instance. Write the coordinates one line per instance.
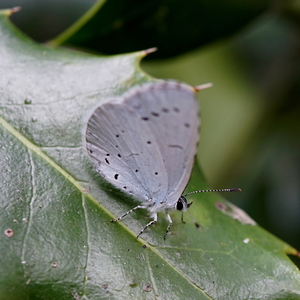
(169, 226)
(182, 218)
(154, 216)
(128, 212)
(196, 224)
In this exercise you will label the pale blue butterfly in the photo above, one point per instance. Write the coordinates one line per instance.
(145, 142)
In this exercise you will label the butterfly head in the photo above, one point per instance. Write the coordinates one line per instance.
(182, 204)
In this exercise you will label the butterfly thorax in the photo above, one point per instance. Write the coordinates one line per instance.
(157, 206)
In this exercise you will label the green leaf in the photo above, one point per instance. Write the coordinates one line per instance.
(174, 27)
(57, 241)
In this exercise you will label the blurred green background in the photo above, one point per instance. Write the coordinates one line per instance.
(249, 50)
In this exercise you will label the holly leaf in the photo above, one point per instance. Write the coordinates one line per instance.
(175, 27)
(57, 241)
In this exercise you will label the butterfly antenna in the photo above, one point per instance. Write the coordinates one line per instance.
(215, 190)
(204, 191)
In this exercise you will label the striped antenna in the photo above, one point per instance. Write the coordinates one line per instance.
(216, 190)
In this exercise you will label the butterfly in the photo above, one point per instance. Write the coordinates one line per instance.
(145, 142)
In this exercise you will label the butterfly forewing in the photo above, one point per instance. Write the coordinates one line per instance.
(117, 148)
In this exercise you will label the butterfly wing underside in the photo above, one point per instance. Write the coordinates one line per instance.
(144, 142)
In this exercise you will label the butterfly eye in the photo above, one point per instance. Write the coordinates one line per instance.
(181, 204)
